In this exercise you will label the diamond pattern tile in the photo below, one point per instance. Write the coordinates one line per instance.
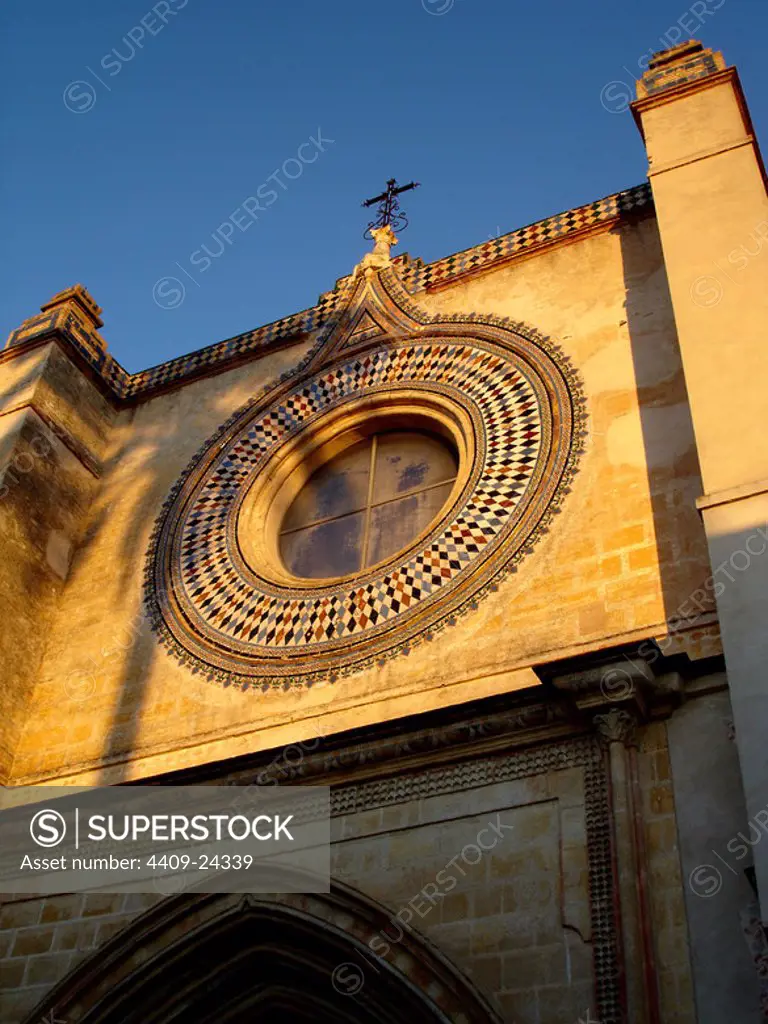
(230, 605)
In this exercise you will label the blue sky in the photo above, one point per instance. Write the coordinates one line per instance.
(135, 129)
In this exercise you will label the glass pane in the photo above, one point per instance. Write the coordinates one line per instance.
(409, 461)
(332, 549)
(336, 488)
(395, 525)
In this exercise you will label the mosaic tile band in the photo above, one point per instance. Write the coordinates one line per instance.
(224, 619)
(265, 617)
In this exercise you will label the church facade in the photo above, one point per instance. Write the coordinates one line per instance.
(482, 545)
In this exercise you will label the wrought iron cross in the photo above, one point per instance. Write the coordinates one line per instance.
(389, 212)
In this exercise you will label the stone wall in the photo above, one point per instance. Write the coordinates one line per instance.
(515, 919)
(716, 845)
(503, 862)
(41, 940)
(54, 431)
(628, 549)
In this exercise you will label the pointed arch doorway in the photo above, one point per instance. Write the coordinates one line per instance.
(287, 959)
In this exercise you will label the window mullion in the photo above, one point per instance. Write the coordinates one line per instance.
(369, 504)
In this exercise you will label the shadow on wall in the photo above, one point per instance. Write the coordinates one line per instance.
(205, 957)
(96, 553)
(674, 476)
(45, 495)
(135, 642)
(710, 805)
(147, 459)
(89, 690)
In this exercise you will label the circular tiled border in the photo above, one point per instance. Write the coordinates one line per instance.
(223, 619)
(262, 506)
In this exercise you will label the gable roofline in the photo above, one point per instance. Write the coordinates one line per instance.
(63, 319)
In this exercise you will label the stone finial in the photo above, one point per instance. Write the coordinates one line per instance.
(80, 295)
(384, 238)
(617, 726)
(679, 65)
(74, 314)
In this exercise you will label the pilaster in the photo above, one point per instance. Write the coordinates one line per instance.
(709, 189)
(54, 430)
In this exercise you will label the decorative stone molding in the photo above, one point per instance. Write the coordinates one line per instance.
(639, 679)
(78, 297)
(185, 955)
(453, 778)
(617, 726)
(187, 913)
(688, 62)
(73, 315)
(229, 621)
(472, 735)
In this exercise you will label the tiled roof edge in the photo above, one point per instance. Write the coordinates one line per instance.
(416, 276)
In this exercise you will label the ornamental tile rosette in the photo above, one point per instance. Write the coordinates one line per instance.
(230, 615)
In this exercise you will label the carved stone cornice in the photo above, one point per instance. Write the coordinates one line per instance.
(639, 678)
(476, 735)
(573, 695)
